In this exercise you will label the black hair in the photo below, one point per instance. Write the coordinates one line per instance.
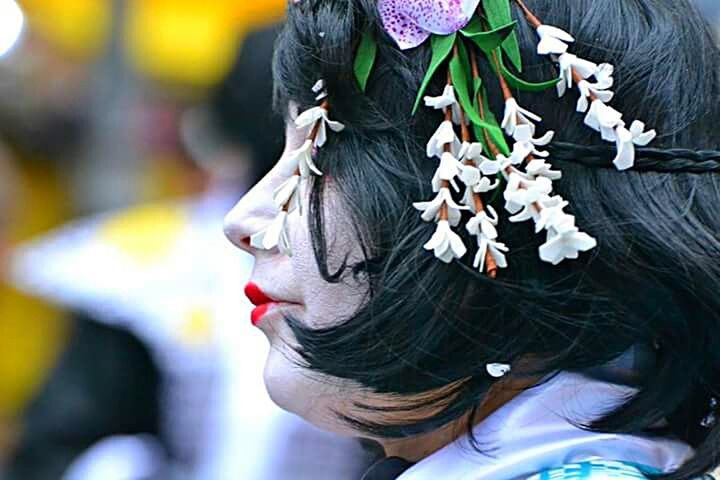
(652, 281)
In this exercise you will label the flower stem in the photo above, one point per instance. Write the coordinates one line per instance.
(507, 94)
(494, 150)
(444, 215)
(490, 263)
(534, 21)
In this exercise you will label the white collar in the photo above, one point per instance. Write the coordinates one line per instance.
(533, 433)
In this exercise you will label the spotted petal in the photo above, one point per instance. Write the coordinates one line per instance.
(411, 22)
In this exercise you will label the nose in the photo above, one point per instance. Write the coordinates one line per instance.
(250, 215)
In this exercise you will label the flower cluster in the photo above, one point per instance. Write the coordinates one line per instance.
(529, 190)
(461, 162)
(289, 196)
(443, 209)
(594, 83)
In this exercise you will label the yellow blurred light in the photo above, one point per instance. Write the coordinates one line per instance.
(11, 25)
(78, 27)
(188, 42)
(193, 42)
(146, 233)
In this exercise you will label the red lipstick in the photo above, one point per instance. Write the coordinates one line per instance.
(261, 301)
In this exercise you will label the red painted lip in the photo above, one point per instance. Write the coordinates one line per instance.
(257, 313)
(256, 296)
(261, 301)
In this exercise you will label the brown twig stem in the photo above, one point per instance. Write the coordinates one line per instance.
(534, 21)
(490, 263)
(494, 150)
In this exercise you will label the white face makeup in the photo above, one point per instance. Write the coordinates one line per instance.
(297, 288)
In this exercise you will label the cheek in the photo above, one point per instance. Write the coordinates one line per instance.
(328, 303)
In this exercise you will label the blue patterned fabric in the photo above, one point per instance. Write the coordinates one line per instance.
(596, 470)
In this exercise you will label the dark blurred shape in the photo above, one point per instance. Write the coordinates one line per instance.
(242, 106)
(105, 382)
(108, 382)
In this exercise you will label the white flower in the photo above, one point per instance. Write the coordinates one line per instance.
(319, 86)
(449, 168)
(540, 168)
(626, 141)
(526, 143)
(431, 210)
(303, 159)
(604, 119)
(274, 236)
(516, 115)
(604, 75)
(519, 153)
(475, 182)
(522, 194)
(569, 62)
(565, 241)
(444, 135)
(470, 175)
(484, 185)
(551, 214)
(495, 248)
(598, 89)
(318, 114)
(471, 152)
(498, 370)
(493, 167)
(447, 99)
(447, 244)
(553, 41)
(484, 223)
(289, 194)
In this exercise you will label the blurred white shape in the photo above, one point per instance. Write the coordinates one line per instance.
(12, 21)
(118, 458)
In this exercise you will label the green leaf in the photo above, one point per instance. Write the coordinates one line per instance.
(441, 45)
(491, 125)
(365, 59)
(517, 82)
(460, 74)
(496, 135)
(477, 85)
(498, 14)
(488, 40)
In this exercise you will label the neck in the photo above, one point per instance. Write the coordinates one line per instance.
(414, 449)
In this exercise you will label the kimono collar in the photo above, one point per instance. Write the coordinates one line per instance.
(537, 431)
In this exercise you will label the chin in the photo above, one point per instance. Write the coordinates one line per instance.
(283, 381)
(295, 391)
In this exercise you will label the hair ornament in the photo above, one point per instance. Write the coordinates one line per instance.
(482, 156)
(498, 370)
(289, 196)
(594, 96)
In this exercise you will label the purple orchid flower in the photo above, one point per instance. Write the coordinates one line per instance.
(411, 22)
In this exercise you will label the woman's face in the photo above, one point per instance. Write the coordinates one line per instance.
(297, 289)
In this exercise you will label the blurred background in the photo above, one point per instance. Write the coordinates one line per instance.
(127, 129)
